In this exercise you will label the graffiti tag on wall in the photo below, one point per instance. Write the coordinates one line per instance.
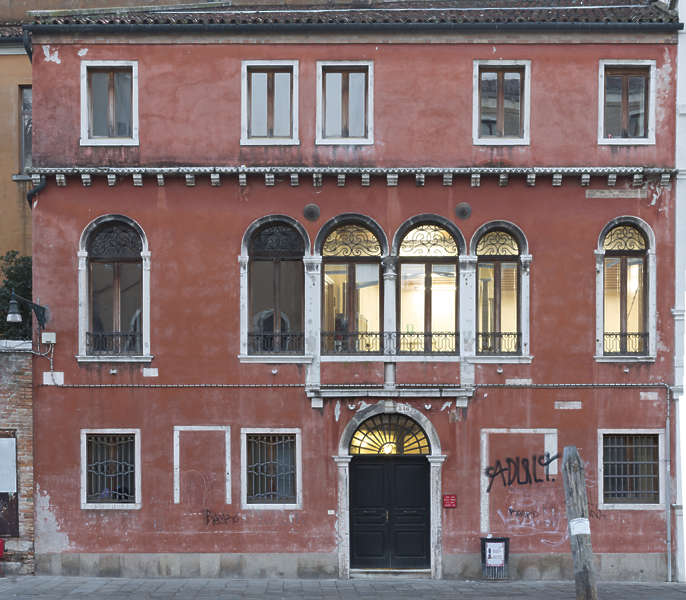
(219, 518)
(521, 470)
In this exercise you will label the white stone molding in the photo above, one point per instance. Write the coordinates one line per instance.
(245, 109)
(245, 431)
(84, 300)
(651, 292)
(524, 139)
(313, 319)
(138, 503)
(436, 459)
(86, 139)
(662, 460)
(177, 457)
(652, 99)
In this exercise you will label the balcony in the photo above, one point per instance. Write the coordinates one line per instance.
(113, 343)
(625, 343)
(497, 342)
(353, 342)
(276, 343)
(447, 342)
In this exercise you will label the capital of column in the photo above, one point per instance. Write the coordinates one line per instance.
(390, 267)
(342, 461)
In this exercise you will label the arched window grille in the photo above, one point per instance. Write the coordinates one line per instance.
(276, 290)
(115, 280)
(389, 434)
(352, 310)
(624, 291)
(498, 294)
(427, 308)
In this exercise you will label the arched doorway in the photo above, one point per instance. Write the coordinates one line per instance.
(389, 486)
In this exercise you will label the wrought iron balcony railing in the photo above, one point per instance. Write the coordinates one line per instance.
(114, 342)
(352, 342)
(625, 343)
(498, 342)
(273, 343)
(427, 342)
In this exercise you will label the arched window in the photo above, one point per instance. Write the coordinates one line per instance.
(498, 294)
(351, 311)
(389, 434)
(427, 311)
(114, 322)
(624, 291)
(276, 290)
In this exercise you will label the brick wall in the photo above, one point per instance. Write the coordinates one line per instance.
(16, 415)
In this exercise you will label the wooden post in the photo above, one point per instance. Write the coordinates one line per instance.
(579, 525)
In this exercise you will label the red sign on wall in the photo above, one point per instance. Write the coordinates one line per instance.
(449, 501)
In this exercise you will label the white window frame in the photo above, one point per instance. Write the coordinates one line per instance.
(245, 431)
(651, 282)
(602, 505)
(86, 139)
(320, 140)
(525, 139)
(84, 295)
(652, 98)
(246, 140)
(85, 505)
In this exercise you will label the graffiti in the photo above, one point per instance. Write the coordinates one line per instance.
(521, 471)
(546, 521)
(219, 518)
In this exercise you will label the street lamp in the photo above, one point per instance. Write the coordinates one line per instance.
(14, 316)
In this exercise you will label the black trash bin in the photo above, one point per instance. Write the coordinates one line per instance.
(495, 554)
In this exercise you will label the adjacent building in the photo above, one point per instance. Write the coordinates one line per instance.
(331, 288)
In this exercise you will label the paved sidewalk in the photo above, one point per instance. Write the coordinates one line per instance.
(102, 588)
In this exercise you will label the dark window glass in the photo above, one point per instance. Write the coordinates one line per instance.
(501, 102)
(114, 254)
(111, 97)
(26, 128)
(111, 468)
(271, 469)
(631, 469)
(626, 102)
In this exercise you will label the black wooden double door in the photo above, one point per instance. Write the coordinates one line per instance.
(389, 512)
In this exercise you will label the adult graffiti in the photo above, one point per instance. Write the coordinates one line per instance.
(521, 470)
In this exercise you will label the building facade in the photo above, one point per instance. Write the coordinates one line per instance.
(333, 288)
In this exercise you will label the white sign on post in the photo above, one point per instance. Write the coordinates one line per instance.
(8, 465)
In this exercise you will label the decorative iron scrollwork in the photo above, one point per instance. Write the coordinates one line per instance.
(277, 240)
(389, 434)
(497, 243)
(115, 240)
(351, 240)
(428, 240)
(624, 237)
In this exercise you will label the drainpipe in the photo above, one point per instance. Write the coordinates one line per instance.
(28, 46)
(36, 190)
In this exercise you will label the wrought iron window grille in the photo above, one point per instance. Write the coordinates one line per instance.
(111, 468)
(271, 469)
(352, 342)
(498, 342)
(275, 343)
(631, 469)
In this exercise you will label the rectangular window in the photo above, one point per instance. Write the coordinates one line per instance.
(498, 308)
(269, 102)
(271, 465)
(501, 102)
(344, 103)
(109, 103)
(626, 102)
(26, 127)
(110, 469)
(631, 467)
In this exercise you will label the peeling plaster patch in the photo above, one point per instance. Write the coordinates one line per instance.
(664, 84)
(351, 406)
(49, 537)
(568, 405)
(291, 518)
(82, 52)
(363, 405)
(516, 381)
(648, 396)
(337, 410)
(446, 405)
(51, 56)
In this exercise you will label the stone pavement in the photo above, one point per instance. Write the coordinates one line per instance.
(102, 588)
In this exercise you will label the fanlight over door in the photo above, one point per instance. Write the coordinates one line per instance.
(389, 434)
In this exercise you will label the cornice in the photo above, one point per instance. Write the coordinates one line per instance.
(293, 174)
